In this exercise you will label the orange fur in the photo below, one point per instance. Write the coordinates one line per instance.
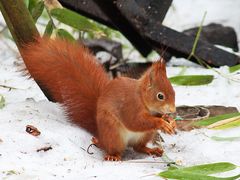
(120, 112)
(71, 74)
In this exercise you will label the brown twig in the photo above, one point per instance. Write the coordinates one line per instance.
(44, 149)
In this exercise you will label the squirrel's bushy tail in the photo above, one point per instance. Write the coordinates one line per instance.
(72, 76)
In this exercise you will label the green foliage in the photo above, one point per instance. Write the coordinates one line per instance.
(234, 68)
(73, 19)
(191, 80)
(211, 120)
(31, 5)
(216, 138)
(2, 101)
(49, 28)
(55, 17)
(65, 35)
(200, 172)
(37, 10)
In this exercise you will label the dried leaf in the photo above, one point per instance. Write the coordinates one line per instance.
(2, 101)
(32, 130)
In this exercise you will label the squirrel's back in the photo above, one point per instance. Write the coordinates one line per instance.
(70, 73)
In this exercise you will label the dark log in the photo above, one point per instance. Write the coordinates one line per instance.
(104, 44)
(145, 22)
(179, 44)
(106, 12)
(216, 34)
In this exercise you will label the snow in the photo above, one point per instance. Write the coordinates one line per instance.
(69, 159)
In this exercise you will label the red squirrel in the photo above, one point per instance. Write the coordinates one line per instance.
(118, 113)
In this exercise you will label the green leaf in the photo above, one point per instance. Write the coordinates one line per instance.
(2, 101)
(185, 175)
(32, 4)
(65, 35)
(211, 120)
(232, 124)
(191, 80)
(234, 68)
(73, 19)
(37, 10)
(49, 28)
(216, 138)
(211, 168)
(200, 172)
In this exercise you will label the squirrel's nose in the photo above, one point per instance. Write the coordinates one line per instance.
(170, 109)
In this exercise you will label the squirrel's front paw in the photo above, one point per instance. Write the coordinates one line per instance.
(165, 126)
(170, 120)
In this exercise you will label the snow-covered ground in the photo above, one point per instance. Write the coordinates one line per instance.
(68, 158)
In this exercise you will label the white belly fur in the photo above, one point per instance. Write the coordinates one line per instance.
(130, 138)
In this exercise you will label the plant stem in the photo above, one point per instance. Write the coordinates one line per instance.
(197, 37)
(19, 21)
(21, 26)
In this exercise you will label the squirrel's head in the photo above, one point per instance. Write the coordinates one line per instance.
(156, 90)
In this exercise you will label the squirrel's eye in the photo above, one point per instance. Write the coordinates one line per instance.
(160, 96)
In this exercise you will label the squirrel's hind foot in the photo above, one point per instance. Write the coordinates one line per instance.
(112, 157)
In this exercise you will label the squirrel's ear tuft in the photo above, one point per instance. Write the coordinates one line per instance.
(159, 67)
(162, 63)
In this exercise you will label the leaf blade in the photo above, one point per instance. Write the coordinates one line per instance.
(211, 120)
(2, 101)
(217, 138)
(200, 172)
(62, 33)
(234, 68)
(191, 80)
(73, 19)
(232, 124)
(37, 10)
(49, 29)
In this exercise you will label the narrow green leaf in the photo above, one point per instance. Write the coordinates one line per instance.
(232, 124)
(234, 68)
(37, 10)
(210, 168)
(49, 28)
(73, 19)
(200, 172)
(216, 138)
(191, 80)
(185, 175)
(32, 4)
(2, 101)
(211, 120)
(65, 35)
